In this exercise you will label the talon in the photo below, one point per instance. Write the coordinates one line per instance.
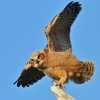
(60, 84)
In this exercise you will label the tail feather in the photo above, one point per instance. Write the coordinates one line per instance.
(84, 72)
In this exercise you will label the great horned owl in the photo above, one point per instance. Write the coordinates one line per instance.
(57, 60)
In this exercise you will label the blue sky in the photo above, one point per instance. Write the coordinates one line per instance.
(22, 24)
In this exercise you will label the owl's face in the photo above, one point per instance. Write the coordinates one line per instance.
(37, 59)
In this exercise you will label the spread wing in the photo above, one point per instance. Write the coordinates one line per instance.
(29, 76)
(58, 31)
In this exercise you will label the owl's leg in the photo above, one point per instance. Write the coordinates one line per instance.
(62, 79)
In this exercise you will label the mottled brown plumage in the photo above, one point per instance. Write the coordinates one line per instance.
(57, 60)
(62, 66)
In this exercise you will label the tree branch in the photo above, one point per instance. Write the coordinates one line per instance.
(61, 94)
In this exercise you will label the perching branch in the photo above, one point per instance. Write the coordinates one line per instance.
(61, 94)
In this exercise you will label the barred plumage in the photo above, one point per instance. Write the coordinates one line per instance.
(84, 72)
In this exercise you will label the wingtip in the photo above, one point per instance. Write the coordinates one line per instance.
(16, 82)
(74, 3)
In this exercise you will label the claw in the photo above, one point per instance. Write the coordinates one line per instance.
(60, 84)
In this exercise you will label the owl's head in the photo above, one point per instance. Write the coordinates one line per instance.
(37, 59)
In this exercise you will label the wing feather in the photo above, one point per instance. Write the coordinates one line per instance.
(29, 76)
(58, 31)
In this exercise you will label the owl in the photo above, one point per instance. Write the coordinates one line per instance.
(57, 60)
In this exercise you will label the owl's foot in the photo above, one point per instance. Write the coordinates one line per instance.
(62, 78)
(60, 84)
